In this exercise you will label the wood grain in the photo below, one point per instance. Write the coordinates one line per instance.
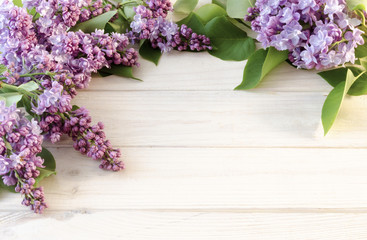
(223, 119)
(115, 225)
(209, 178)
(203, 72)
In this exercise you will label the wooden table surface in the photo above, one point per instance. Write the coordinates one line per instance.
(206, 162)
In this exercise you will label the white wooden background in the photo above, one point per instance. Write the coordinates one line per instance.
(206, 162)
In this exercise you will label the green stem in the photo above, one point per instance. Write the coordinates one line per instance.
(126, 3)
(244, 23)
(361, 14)
(9, 87)
(336, 43)
(28, 75)
(16, 89)
(360, 74)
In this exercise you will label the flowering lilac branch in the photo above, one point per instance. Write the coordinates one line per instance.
(20, 142)
(150, 23)
(318, 34)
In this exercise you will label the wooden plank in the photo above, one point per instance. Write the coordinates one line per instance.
(223, 119)
(195, 178)
(183, 71)
(183, 225)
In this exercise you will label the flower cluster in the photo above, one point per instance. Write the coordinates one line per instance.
(20, 142)
(81, 54)
(150, 23)
(159, 7)
(317, 33)
(88, 139)
(61, 61)
(53, 100)
(94, 10)
(91, 140)
(48, 44)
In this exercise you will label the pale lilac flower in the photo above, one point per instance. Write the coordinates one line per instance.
(5, 165)
(150, 23)
(313, 31)
(19, 164)
(333, 7)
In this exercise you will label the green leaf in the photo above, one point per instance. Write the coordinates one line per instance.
(185, 6)
(6, 188)
(120, 25)
(11, 98)
(2, 68)
(209, 11)
(259, 65)
(363, 62)
(29, 86)
(334, 76)
(75, 107)
(49, 163)
(230, 42)
(33, 12)
(193, 22)
(115, 27)
(221, 3)
(149, 53)
(359, 87)
(334, 101)
(338, 75)
(98, 22)
(356, 4)
(238, 8)
(18, 3)
(26, 102)
(118, 70)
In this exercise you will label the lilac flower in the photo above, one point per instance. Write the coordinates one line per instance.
(52, 97)
(320, 40)
(355, 37)
(55, 49)
(150, 23)
(287, 15)
(333, 7)
(5, 165)
(91, 140)
(9, 180)
(160, 7)
(19, 164)
(138, 24)
(313, 31)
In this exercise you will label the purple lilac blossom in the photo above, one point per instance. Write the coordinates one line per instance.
(88, 139)
(93, 10)
(91, 140)
(159, 7)
(317, 33)
(53, 98)
(64, 59)
(19, 163)
(47, 44)
(150, 23)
